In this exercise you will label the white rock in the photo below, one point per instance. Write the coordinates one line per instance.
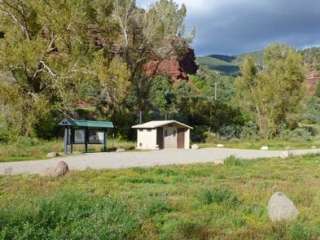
(219, 162)
(195, 147)
(52, 155)
(314, 147)
(220, 146)
(281, 208)
(286, 154)
(60, 170)
(120, 150)
(265, 148)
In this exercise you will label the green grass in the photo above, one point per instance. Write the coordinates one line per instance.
(275, 144)
(32, 149)
(187, 202)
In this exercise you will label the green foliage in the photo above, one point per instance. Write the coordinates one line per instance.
(219, 196)
(191, 202)
(272, 95)
(68, 216)
(82, 59)
(312, 110)
(299, 231)
(233, 161)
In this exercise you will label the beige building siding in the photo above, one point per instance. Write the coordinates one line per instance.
(172, 135)
(187, 139)
(147, 139)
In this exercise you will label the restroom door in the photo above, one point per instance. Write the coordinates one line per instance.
(170, 137)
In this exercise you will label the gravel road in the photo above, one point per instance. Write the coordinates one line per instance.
(141, 159)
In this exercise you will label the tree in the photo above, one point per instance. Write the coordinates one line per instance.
(272, 95)
(74, 53)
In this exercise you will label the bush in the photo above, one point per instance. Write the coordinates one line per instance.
(249, 131)
(298, 134)
(229, 132)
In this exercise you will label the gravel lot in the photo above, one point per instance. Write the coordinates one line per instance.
(141, 159)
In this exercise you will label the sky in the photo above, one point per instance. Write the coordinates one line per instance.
(239, 26)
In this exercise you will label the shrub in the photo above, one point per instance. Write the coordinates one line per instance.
(249, 131)
(229, 132)
(304, 134)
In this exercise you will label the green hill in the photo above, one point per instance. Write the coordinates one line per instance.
(225, 64)
(229, 65)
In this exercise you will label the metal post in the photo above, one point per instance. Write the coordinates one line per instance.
(104, 140)
(66, 140)
(71, 140)
(86, 137)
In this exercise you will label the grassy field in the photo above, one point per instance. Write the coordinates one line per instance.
(188, 202)
(275, 144)
(38, 149)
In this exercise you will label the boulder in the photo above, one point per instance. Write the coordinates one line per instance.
(59, 170)
(281, 208)
(220, 146)
(52, 155)
(265, 148)
(195, 147)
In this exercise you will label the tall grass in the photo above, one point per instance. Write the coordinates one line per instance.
(68, 216)
(180, 202)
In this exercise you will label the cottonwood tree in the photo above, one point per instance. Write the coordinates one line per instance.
(149, 35)
(272, 95)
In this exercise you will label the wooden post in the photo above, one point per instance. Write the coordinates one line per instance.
(104, 140)
(86, 138)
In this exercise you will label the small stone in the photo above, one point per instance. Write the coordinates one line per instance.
(220, 146)
(265, 148)
(195, 147)
(120, 150)
(219, 162)
(285, 154)
(8, 171)
(52, 155)
(281, 208)
(60, 170)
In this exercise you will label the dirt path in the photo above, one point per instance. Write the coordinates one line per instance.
(141, 159)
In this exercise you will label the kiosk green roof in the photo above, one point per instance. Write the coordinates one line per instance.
(86, 124)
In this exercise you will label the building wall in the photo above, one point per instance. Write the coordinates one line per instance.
(170, 137)
(187, 139)
(147, 139)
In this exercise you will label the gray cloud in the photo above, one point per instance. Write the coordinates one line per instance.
(237, 26)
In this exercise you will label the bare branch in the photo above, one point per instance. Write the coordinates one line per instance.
(48, 69)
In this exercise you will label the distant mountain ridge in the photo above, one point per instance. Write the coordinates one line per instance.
(230, 64)
(227, 64)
